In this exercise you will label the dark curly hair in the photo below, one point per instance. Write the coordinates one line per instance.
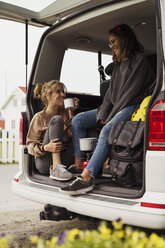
(128, 42)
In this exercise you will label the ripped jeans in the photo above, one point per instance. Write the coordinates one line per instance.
(86, 120)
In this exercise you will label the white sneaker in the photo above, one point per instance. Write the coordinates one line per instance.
(60, 173)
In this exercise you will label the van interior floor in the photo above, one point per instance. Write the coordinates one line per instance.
(103, 186)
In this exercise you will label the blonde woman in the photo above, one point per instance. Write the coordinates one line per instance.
(49, 138)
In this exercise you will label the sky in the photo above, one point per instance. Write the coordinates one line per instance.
(84, 77)
(12, 55)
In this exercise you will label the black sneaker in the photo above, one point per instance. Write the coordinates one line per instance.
(73, 169)
(78, 186)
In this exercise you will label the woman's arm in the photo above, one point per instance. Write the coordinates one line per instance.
(34, 136)
(106, 106)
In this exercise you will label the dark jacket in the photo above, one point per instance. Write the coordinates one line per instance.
(132, 80)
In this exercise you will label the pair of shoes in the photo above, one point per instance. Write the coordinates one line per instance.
(78, 186)
(60, 173)
(74, 170)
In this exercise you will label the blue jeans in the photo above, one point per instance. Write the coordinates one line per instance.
(86, 120)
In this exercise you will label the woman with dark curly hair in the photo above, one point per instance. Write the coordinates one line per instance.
(132, 80)
(49, 138)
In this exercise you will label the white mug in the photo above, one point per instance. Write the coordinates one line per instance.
(69, 103)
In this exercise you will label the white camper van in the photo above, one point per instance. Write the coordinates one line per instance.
(83, 25)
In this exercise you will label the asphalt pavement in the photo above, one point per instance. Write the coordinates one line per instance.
(8, 200)
(20, 217)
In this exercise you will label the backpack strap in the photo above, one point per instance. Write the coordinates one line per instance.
(133, 135)
(116, 139)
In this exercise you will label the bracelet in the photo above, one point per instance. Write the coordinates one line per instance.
(42, 148)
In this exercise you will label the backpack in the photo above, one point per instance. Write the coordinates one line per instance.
(126, 163)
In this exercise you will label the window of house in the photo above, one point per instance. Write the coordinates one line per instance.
(15, 102)
(22, 102)
(12, 124)
(80, 71)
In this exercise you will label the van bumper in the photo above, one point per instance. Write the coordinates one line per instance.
(102, 207)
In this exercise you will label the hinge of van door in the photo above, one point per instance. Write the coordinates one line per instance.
(59, 19)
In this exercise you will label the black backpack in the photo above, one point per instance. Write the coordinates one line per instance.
(126, 163)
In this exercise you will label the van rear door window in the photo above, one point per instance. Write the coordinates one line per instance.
(80, 71)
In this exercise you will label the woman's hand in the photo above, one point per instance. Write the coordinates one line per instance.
(53, 146)
(76, 106)
(76, 103)
(102, 122)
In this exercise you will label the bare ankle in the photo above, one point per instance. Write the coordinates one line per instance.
(86, 175)
(78, 163)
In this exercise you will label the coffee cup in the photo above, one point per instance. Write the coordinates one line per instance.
(69, 103)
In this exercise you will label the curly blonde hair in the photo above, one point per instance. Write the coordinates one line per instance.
(42, 90)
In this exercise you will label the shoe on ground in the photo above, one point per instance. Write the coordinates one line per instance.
(60, 173)
(78, 186)
(73, 169)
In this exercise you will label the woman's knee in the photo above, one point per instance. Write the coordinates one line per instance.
(77, 120)
(56, 119)
(104, 134)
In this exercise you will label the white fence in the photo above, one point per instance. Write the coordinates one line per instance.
(9, 146)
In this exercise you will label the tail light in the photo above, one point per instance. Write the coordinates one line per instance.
(156, 135)
(21, 131)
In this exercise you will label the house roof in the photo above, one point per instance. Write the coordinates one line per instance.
(2, 124)
(23, 89)
(18, 90)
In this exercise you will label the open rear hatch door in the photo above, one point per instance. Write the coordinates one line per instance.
(162, 15)
(49, 15)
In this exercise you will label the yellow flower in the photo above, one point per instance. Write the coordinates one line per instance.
(135, 236)
(154, 237)
(72, 233)
(140, 245)
(128, 232)
(104, 230)
(34, 239)
(120, 234)
(4, 243)
(48, 242)
(157, 241)
(53, 241)
(117, 225)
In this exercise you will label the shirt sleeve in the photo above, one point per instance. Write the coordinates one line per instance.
(106, 106)
(34, 136)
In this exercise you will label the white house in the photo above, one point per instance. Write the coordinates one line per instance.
(12, 108)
